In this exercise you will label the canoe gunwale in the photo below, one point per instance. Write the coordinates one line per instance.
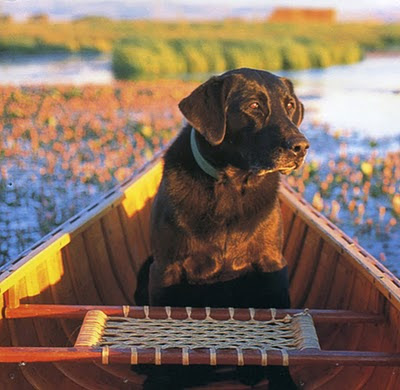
(61, 236)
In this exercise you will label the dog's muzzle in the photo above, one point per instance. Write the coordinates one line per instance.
(293, 153)
(298, 145)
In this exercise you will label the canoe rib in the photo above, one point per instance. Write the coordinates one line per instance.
(79, 311)
(200, 356)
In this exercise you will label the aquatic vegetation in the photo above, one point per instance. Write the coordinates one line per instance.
(169, 48)
(158, 56)
(62, 147)
(360, 192)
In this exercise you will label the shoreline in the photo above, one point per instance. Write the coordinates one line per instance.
(382, 54)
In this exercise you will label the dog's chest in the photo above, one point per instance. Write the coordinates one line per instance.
(234, 250)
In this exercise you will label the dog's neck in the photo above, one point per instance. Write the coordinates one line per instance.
(206, 166)
(235, 175)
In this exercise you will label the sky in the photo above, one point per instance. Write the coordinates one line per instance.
(339, 4)
(148, 8)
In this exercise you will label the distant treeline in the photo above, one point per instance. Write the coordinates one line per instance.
(141, 48)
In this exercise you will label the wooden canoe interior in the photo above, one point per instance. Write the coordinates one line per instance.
(94, 259)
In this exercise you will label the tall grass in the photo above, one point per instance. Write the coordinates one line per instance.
(161, 48)
(177, 56)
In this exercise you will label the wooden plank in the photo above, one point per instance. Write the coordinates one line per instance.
(295, 244)
(288, 217)
(196, 356)
(143, 188)
(307, 263)
(383, 378)
(62, 289)
(354, 378)
(79, 272)
(355, 337)
(131, 224)
(392, 342)
(341, 290)
(50, 333)
(317, 377)
(11, 377)
(138, 203)
(338, 298)
(41, 376)
(107, 285)
(323, 280)
(118, 253)
(180, 313)
(63, 292)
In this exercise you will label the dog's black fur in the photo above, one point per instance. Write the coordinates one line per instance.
(218, 242)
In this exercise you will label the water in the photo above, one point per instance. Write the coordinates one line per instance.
(55, 69)
(356, 104)
(363, 97)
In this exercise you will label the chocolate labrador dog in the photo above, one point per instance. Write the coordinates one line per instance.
(216, 228)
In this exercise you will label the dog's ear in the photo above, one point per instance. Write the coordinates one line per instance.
(299, 112)
(204, 109)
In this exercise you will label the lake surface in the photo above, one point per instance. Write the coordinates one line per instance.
(55, 69)
(363, 97)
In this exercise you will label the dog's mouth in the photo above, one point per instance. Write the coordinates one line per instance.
(290, 166)
(283, 165)
(284, 170)
(288, 169)
(263, 172)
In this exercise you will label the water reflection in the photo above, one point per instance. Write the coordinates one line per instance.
(364, 97)
(55, 69)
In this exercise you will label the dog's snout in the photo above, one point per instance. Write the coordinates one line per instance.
(298, 145)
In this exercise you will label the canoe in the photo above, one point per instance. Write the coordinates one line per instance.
(92, 262)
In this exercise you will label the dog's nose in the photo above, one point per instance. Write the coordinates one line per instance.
(298, 145)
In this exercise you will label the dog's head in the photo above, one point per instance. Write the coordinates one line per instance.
(249, 119)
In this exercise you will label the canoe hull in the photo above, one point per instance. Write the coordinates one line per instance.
(95, 258)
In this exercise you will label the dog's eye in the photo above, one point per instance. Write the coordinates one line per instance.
(290, 106)
(254, 105)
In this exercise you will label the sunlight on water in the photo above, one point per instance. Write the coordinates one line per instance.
(363, 97)
(55, 69)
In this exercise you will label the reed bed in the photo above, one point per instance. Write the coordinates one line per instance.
(152, 48)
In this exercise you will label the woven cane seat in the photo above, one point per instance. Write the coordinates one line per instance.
(186, 335)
